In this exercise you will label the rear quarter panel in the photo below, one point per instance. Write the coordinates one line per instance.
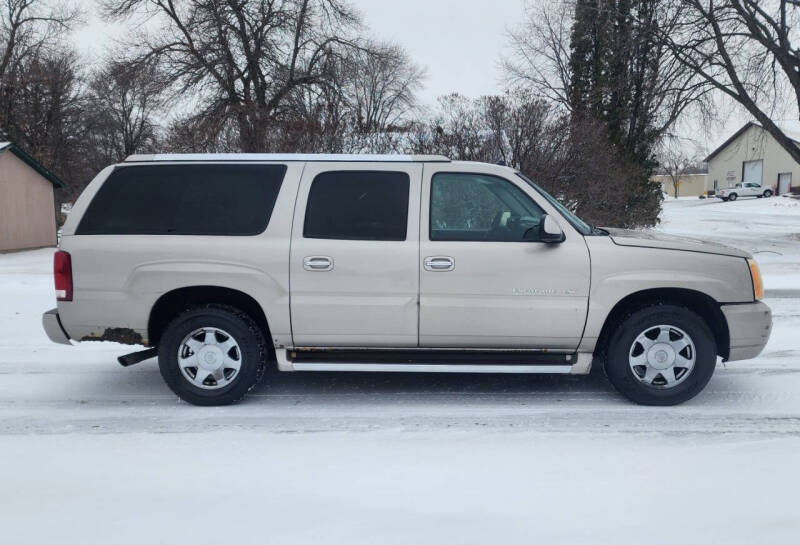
(118, 278)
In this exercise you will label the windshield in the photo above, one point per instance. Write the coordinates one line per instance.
(574, 220)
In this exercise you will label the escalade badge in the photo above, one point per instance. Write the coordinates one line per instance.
(552, 292)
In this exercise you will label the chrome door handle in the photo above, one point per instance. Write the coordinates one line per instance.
(318, 263)
(440, 264)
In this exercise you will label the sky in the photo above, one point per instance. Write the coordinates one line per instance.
(459, 43)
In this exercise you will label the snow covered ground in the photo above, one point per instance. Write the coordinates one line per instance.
(767, 228)
(94, 453)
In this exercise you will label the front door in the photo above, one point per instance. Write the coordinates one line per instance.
(751, 190)
(486, 282)
(355, 244)
(784, 183)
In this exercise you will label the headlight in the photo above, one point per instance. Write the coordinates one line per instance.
(758, 283)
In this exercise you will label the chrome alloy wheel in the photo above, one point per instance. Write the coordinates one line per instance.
(209, 358)
(662, 356)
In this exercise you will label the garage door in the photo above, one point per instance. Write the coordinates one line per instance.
(752, 171)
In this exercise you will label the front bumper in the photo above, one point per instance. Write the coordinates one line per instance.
(52, 326)
(749, 326)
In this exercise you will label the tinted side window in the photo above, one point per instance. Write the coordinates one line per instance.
(184, 200)
(477, 207)
(358, 205)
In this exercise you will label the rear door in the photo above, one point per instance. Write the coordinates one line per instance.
(353, 265)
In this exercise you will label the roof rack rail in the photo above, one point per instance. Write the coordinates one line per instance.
(286, 157)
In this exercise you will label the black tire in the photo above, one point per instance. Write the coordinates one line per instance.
(628, 384)
(768, 193)
(733, 197)
(241, 327)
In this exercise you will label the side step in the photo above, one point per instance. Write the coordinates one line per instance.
(432, 361)
(433, 368)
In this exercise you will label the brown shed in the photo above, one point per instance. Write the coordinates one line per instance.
(27, 201)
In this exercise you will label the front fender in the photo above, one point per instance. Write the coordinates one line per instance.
(620, 271)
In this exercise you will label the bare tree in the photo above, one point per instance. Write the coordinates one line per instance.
(676, 162)
(28, 26)
(380, 84)
(123, 102)
(28, 40)
(540, 50)
(745, 49)
(243, 58)
(458, 129)
(43, 109)
(370, 99)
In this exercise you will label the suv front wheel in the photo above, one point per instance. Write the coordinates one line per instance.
(212, 355)
(661, 355)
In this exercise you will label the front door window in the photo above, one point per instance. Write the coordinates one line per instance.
(479, 207)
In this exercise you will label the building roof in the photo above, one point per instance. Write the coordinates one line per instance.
(31, 162)
(304, 157)
(790, 127)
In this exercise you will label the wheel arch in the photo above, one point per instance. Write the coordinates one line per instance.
(700, 303)
(176, 301)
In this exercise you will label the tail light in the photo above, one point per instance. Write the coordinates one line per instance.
(62, 272)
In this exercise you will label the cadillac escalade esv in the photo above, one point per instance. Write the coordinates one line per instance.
(226, 264)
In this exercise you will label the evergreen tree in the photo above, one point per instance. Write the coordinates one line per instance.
(613, 56)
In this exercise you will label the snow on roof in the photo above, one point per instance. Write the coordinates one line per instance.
(178, 157)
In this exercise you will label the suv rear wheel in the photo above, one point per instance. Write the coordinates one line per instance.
(212, 355)
(768, 193)
(661, 355)
(733, 197)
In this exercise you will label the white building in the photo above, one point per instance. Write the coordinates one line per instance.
(752, 155)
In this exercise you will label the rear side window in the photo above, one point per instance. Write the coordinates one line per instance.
(358, 205)
(184, 200)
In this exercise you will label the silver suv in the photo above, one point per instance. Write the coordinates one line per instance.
(227, 264)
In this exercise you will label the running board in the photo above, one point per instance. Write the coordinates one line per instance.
(433, 368)
(433, 361)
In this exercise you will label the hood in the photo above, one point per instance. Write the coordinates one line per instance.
(650, 239)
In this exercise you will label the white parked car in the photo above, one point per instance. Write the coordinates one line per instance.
(747, 189)
(225, 264)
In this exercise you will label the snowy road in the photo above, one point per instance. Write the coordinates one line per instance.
(94, 453)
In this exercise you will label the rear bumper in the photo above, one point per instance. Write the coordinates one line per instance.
(749, 326)
(52, 326)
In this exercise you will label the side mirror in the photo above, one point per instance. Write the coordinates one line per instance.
(550, 232)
